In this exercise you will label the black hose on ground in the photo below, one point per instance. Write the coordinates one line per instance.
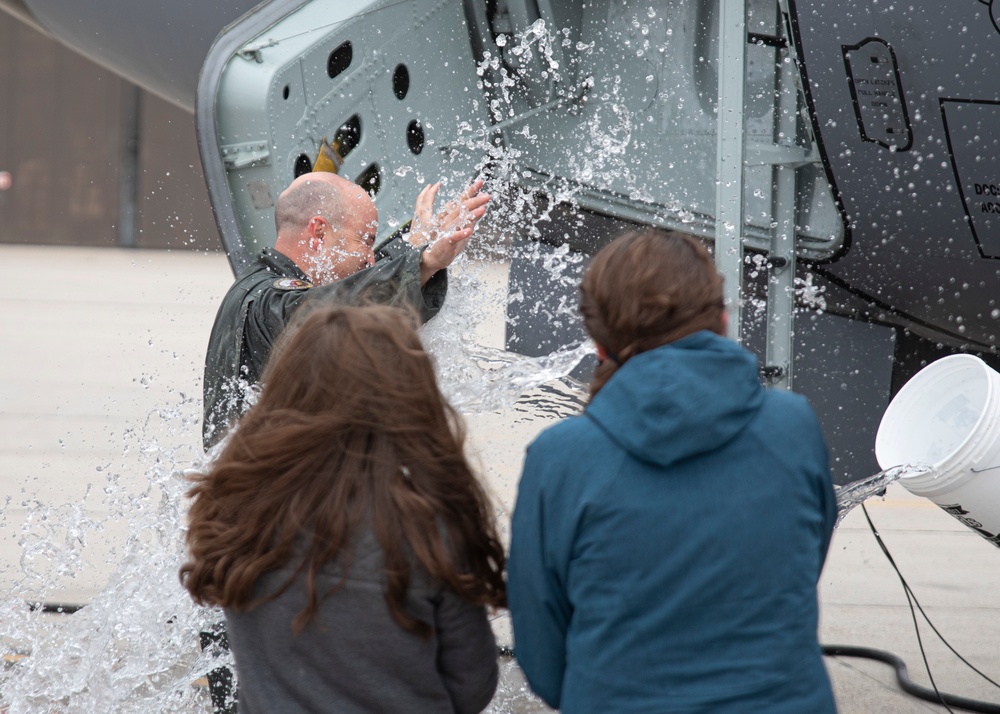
(55, 608)
(906, 683)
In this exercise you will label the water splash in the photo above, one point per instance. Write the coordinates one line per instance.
(504, 376)
(134, 647)
(474, 376)
(810, 294)
(522, 76)
(514, 696)
(857, 492)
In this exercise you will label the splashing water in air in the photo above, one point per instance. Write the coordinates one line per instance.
(134, 647)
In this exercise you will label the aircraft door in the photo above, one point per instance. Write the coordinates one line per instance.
(390, 86)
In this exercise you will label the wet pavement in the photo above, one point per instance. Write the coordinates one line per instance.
(94, 340)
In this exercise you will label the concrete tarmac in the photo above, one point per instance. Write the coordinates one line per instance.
(95, 341)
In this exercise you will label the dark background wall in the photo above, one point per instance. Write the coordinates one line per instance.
(94, 160)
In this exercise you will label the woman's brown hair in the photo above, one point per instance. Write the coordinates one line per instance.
(646, 289)
(349, 428)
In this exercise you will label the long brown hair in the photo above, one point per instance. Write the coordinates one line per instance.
(646, 289)
(350, 428)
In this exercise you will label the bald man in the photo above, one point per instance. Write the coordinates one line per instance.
(326, 228)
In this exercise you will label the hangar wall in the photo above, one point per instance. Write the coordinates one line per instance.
(93, 160)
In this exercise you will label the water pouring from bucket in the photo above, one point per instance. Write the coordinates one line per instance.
(948, 416)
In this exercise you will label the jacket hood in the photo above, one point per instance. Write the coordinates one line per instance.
(679, 400)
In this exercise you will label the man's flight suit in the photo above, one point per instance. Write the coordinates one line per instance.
(260, 303)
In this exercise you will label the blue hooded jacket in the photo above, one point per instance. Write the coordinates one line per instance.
(666, 544)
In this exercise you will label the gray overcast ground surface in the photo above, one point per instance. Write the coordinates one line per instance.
(93, 340)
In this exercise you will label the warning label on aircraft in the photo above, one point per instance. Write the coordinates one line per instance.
(973, 131)
(878, 94)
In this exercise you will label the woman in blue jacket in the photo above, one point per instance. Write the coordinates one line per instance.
(666, 544)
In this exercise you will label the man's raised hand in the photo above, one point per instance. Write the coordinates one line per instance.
(447, 233)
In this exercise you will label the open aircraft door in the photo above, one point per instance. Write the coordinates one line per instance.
(385, 84)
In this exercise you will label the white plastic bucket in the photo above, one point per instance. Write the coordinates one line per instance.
(946, 421)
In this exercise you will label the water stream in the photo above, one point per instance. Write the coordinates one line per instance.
(857, 492)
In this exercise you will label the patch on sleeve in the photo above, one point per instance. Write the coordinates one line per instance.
(291, 284)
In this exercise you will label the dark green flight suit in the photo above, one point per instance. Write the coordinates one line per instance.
(261, 302)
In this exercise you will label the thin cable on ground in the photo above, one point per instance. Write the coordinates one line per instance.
(935, 696)
(908, 593)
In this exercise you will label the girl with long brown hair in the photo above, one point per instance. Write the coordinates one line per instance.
(666, 544)
(344, 533)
